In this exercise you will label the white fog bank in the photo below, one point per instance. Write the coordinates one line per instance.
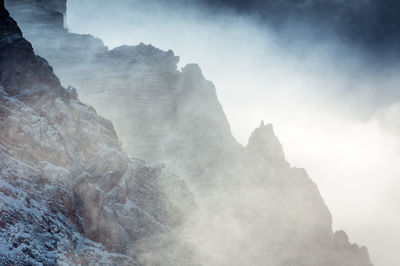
(328, 108)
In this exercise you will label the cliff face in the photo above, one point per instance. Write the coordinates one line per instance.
(66, 182)
(294, 218)
(254, 208)
(164, 133)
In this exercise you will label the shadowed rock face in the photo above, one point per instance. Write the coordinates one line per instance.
(18, 62)
(170, 112)
(66, 182)
(254, 207)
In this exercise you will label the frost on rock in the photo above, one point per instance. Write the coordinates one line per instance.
(252, 205)
(68, 193)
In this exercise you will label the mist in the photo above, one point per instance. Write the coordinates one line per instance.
(333, 106)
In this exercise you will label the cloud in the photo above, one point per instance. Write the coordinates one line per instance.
(333, 105)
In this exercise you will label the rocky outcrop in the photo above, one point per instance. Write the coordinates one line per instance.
(162, 113)
(254, 208)
(269, 213)
(294, 217)
(69, 194)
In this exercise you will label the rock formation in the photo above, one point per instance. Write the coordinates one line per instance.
(69, 194)
(254, 208)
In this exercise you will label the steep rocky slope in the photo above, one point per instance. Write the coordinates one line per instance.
(160, 113)
(254, 208)
(66, 182)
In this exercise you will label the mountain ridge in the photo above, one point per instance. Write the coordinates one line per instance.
(172, 117)
(61, 164)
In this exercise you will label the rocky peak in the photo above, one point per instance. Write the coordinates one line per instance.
(65, 182)
(265, 144)
(3, 11)
(8, 27)
(174, 117)
(123, 59)
(193, 70)
(21, 71)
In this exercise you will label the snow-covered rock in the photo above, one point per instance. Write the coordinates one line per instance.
(254, 208)
(69, 194)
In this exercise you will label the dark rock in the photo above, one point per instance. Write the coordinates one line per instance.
(58, 161)
(164, 115)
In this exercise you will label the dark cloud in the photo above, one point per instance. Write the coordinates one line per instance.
(370, 25)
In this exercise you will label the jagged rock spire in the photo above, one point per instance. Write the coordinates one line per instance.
(201, 144)
(264, 143)
(3, 11)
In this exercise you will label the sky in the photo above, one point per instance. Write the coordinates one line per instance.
(331, 95)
